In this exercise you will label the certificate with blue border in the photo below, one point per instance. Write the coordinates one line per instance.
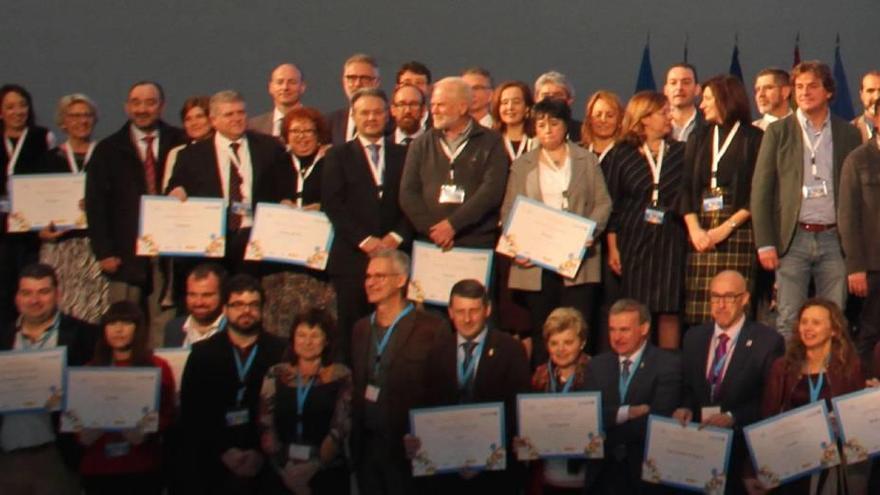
(111, 398)
(40, 199)
(858, 415)
(435, 271)
(565, 425)
(686, 457)
(290, 235)
(548, 237)
(31, 380)
(459, 437)
(168, 226)
(792, 445)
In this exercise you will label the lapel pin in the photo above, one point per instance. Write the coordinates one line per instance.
(491, 351)
(749, 343)
(641, 365)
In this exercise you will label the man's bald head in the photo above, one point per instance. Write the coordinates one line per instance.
(286, 86)
(728, 296)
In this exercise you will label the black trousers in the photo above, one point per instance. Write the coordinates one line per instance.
(352, 305)
(869, 324)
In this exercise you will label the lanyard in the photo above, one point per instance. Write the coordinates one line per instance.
(71, 160)
(381, 345)
(47, 335)
(376, 168)
(717, 371)
(567, 387)
(623, 386)
(514, 154)
(243, 370)
(603, 154)
(13, 152)
(302, 393)
(717, 154)
(656, 167)
(812, 147)
(464, 375)
(816, 388)
(452, 155)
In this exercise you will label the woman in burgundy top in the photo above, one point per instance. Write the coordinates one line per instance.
(127, 461)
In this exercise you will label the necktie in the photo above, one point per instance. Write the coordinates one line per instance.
(624, 373)
(235, 182)
(374, 154)
(468, 348)
(716, 371)
(150, 165)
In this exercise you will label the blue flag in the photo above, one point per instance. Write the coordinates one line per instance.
(645, 80)
(736, 69)
(841, 105)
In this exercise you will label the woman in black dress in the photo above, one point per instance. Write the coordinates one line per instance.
(305, 412)
(646, 237)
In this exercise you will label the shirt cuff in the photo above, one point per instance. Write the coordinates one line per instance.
(397, 237)
(763, 249)
(622, 414)
(367, 238)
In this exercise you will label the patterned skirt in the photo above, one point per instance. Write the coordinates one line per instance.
(84, 288)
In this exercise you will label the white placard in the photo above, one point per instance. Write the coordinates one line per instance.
(111, 398)
(560, 425)
(195, 227)
(458, 437)
(31, 380)
(41, 199)
(290, 235)
(858, 415)
(435, 271)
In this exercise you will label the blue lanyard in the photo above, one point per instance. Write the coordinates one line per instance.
(816, 388)
(464, 375)
(302, 393)
(53, 329)
(381, 345)
(243, 370)
(623, 386)
(567, 387)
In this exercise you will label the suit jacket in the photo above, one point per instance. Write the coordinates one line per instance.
(262, 123)
(415, 339)
(588, 197)
(273, 176)
(114, 186)
(858, 212)
(174, 334)
(350, 197)
(860, 124)
(779, 176)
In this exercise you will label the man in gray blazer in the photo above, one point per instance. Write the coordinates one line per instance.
(286, 87)
(794, 195)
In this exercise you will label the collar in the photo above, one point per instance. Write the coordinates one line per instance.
(366, 142)
(808, 125)
(464, 134)
(277, 115)
(193, 336)
(55, 321)
(732, 332)
(476, 340)
(634, 357)
(223, 141)
(769, 118)
(139, 134)
(399, 135)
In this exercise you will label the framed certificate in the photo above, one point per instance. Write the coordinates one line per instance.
(111, 398)
(435, 271)
(195, 227)
(792, 445)
(32, 380)
(548, 237)
(457, 437)
(858, 415)
(689, 457)
(176, 358)
(40, 199)
(560, 425)
(290, 235)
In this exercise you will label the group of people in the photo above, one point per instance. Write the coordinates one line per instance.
(703, 216)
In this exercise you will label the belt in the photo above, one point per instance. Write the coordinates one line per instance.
(816, 227)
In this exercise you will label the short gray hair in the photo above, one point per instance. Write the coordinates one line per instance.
(554, 77)
(67, 100)
(457, 84)
(225, 96)
(364, 59)
(631, 306)
(398, 258)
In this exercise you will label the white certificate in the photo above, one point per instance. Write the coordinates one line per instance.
(686, 457)
(858, 415)
(435, 271)
(560, 425)
(29, 379)
(176, 358)
(548, 237)
(41, 199)
(111, 398)
(195, 227)
(457, 437)
(290, 235)
(792, 445)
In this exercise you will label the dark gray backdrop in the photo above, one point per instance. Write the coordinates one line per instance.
(99, 47)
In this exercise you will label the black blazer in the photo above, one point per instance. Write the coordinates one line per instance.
(273, 176)
(350, 197)
(114, 185)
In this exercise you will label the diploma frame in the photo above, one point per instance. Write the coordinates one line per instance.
(111, 370)
(18, 221)
(495, 453)
(414, 288)
(855, 448)
(592, 442)
(216, 247)
(316, 261)
(61, 382)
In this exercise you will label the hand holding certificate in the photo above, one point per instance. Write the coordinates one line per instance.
(290, 235)
(195, 227)
(112, 399)
(31, 380)
(435, 271)
(791, 445)
(42, 199)
(553, 239)
(560, 425)
(688, 457)
(459, 437)
(858, 415)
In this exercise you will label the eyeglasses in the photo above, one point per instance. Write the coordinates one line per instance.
(238, 305)
(302, 132)
(407, 104)
(362, 79)
(724, 298)
(479, 87)
(380, 276)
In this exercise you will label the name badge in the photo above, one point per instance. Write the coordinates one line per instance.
(816, 191)
(372, 393)
(654, 215)
(238, 417)
(241, 208)
(117, 449)
(451, 194)
(299, 452)
(5, 204)
(713, 203)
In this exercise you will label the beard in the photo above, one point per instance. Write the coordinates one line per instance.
(408, 125)
(251, 327)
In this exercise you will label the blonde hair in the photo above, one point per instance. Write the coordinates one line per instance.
(587, 129)
(562, 319)
(641, 105)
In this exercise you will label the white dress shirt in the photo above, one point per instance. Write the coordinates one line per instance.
(225, 159)
(623, 410)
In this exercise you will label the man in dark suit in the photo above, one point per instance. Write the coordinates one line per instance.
(220, 395)
(360, 185)
(724, 364)
(124, 166)
(795, 194)
(636, 379)
(389, 365)
(242, 167)
(360, 71)
(286, 87)
(204, 308)
(35, 458)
